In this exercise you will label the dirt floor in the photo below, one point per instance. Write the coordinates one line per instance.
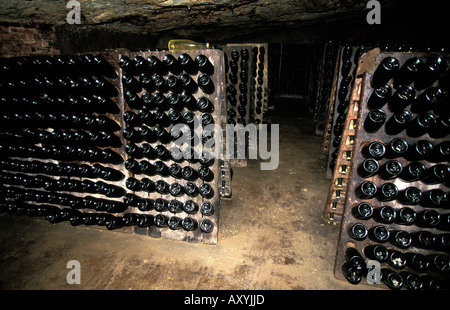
(271, 235)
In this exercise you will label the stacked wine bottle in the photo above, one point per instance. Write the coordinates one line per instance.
(349, 57)
(91, 139)
(397, 208)
(60, 143)
(329, 60)
(258, 84)
(176, 184)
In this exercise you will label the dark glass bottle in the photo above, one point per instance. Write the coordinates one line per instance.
(352, 274)
(440, 153)
(145, 204)
(410, 196)
(148, 151)
(374, 150)
(397, 147)
(161, 168)
(442, 242)
(436, 174)
(420, 125)
(384, 214)
(187, 64)
(205, 83)
(132, 165)
(147, 185)
(162, 187)
(190, 207)
(434, 198)
(411, 281)
(379, 233)
(390, 170)
(161, 220)
(374, 120)
(413, 172)
(174, 223)
(379, 97)
(366, 190)
(423, 239)
(388, 67)
(206, 225)
(434, 66)
(191, 189)
(369, 167)
(401, 98)
(171, 64)
(205, 174)
(176, 190)
(421, 150)
(207, 208)
(406, 216)
(161, 204)
(189, 224)
(377, 252)
(204, 65)
(408, 72)
(401, 239)
(387, 192)
(398, 122)
(130, 219)
(439, 263)
(428, 218)
(417, 262)
(396, 259)
(132, 184)
(175, 206)
(206, 190)
(362, 211)
(358, 231)
(429, 100)
(190, 174)
(115, 222)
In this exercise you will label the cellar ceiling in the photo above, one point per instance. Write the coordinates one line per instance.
(151, 23)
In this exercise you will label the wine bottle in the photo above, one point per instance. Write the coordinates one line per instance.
(442, 242)
(439, 263)
(115, 223)
(401, 239)
(434, 66)
(366, 190)
(130, 219)
(191, 189)
(206, 190)
(429, 100)
(421, 150)
(145, 220)
(390, 170)
(176, 190)
(379, 97)
(189, 224)
(396, 259)
(175, 206)
(358, 231)
(174, 223)
(205, 83)
(388, 67)
(436, 174)
(397, 147)
(206, 225)
(171, 64)
(411, 281)
(406, 216)
(133, 184)
(417, 262)
(161, 220)
(440, 153)
(376, 252)
(161, 204)
(384, 214)
(161, 168)
(428, 218)
(410, 196)
(401, 98)
(362, 211)
(413, 172)
(374, 120)
(147, 185)
(162, 187)
(421, 125)
(145, 204)
(408, 72)
(398, 122)
(190, 207)
(352, 274)
(187, 64)
(207, 208)
(379, 233)
(434, 198)
(387, 192)
(204, 65)
(374, 150)
(369, 167)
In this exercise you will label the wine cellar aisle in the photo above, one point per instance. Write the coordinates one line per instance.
(270, 236)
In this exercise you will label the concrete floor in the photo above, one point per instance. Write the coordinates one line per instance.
(271, 235)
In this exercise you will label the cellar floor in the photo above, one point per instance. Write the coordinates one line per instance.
(271, 235)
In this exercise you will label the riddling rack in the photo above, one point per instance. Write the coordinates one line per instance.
(396, 201)
(135, 99)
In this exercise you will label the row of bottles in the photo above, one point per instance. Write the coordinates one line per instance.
(163, 175)
(257, 84)
(111, 222)
(238, 74)
(355, 268)
(403, 225)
